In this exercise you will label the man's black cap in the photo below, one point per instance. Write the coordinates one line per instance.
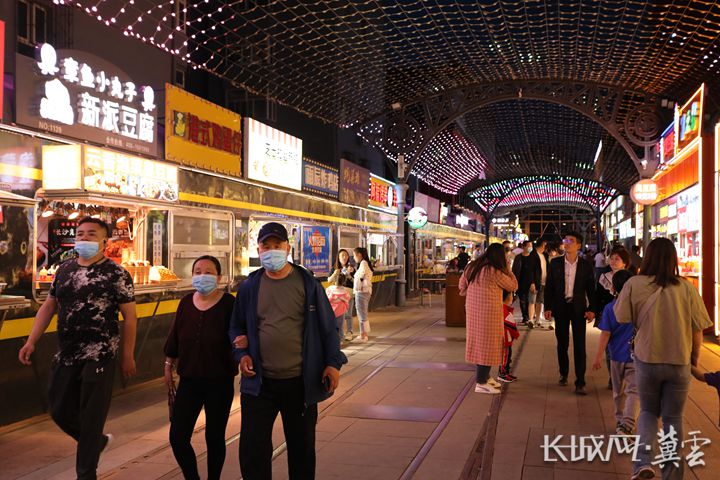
(272, 229)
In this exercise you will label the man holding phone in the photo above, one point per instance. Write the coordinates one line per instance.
(290, 359)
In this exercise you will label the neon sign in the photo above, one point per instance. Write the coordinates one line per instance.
(688, 120)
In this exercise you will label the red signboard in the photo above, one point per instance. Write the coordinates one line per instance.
(667, 145)
(210, 134)
(2, 66)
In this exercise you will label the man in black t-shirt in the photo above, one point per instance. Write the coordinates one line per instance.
(463, 259)
(87, 293)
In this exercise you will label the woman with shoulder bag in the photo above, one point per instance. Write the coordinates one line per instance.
(343, 267)
(198, 344)
(362, 287)
(669, 317)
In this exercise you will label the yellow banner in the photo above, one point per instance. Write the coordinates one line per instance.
(201, 134)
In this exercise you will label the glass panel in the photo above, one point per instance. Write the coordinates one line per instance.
(22, 20)
(191, 231)
(220, 232)
(183, 266)
(40, 24)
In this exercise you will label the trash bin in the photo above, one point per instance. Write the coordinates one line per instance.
(454, 303)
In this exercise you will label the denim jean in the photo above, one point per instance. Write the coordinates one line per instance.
(349, 317)
(663, 390)
(624, 382)
(482, 373)
(362, 303)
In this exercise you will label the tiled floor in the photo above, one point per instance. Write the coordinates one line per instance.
(405, 409)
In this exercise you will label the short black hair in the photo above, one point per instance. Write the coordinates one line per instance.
(340, 280)
(214, 260)
(540, 243)
(619, 279)
(526, 242)
(575, 235)
(636, 248)
(462, 247)
(506, 241)
(96, 221)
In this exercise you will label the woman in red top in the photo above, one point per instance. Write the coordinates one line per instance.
(198, 343)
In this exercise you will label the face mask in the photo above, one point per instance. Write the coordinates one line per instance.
(205, 283)
(273, 260)
(86, 250)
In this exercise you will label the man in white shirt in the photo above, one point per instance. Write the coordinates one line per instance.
(538, 296)
(601, 264)
(569, 291)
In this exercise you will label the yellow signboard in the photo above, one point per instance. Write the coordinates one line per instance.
(201, 134)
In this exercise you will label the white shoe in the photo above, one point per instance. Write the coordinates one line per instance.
(486, 389)
(493, 383)
(348, 337)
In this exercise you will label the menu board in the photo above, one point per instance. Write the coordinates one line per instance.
(61, 238)
(354, 184)
(112, 172)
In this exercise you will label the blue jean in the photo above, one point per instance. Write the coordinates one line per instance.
(339, 322)
(362, 303)
(348, 317)
(663, 390)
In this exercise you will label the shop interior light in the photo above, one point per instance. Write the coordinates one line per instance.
(47, 210)
(74, 211)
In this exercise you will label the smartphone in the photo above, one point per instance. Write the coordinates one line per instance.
(326, 383)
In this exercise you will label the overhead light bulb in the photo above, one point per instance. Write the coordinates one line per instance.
(74, 215)
(120, 218)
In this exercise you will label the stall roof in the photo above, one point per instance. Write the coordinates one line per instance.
(9, 198)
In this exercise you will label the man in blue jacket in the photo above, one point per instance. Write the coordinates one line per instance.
(292, 360)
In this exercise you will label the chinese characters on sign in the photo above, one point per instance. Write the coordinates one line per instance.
(320, 179)
(86, 99)
(316, 249)
(688, 120)
(272, 156)
(354, 184)
(667, 144)
(382, 195)
(644, 192)
(206, 133)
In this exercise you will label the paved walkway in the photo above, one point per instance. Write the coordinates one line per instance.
(405, 409)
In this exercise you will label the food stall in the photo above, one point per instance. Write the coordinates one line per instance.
(151, 236)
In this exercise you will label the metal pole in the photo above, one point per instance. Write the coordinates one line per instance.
(401, 188)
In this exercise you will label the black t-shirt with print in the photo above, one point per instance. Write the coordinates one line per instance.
(88, 302)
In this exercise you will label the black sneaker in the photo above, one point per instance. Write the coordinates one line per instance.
(563, 381)
(580, 390)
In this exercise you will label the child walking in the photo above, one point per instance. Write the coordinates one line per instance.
(339, 297)
(511, 334)
(617, 336)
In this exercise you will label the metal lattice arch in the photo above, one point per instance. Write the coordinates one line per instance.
(547, 191)
(630, 117)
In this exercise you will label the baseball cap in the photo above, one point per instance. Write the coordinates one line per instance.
(272, 229)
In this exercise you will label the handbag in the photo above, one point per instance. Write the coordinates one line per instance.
(649, 303)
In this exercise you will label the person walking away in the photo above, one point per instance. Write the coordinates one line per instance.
(478, 251)
(482, 283)
(87, 294)
(604, 291)
(340, 297)
(198, 345)
(362, 288)
(635, 259)
(526, 269)
(669, 317)
(601, 264)
(617, 338)
(463, 258)
(536, 299)
(570, 284)
(343, 266)
(511, 334)
(292, 360)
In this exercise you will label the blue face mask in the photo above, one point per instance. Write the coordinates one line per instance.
(86, 250)
(273, 260)
(205, 284)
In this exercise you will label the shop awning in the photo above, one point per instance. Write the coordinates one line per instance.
(9, 198)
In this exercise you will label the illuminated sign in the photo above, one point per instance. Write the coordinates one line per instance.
(2, 66)
(461, 220)
(316, 249)
(417, 217)
(320, 179)
(78, 167)
(382, 195)
(644, 192)
(667, 144)
(354, 181)
(272, 156)
(430, 204)
(191, 138)
(78, 95)
(688, 119)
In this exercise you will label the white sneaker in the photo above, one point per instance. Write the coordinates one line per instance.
(486, 389)
(493, 383)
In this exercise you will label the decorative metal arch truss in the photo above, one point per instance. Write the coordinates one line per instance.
(543, 191)
(631, 118)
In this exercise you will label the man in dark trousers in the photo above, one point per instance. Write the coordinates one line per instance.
(569, 289)
(526, 269)
(463, 259)
(292, 360)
